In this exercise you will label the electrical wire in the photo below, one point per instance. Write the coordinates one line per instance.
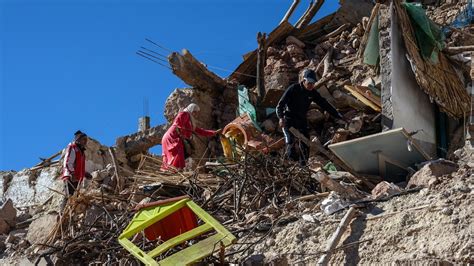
(142, 55)
(161, 46)
(208, 66)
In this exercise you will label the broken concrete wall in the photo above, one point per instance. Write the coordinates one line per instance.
(5, 178)
(97, 156)
(351, 11)
(404, 102)
(30, 188)
(280, 71)
(385, 66)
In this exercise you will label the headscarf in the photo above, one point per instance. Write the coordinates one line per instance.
(190, 109)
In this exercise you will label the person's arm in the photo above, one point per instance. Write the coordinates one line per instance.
(323, 103)
(69, 160)
(204, 132)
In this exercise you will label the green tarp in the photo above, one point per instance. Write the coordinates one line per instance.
(371, 52)
(429, 37)
(245, 106)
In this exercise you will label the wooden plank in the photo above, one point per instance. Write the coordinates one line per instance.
(137, 252)
(207, 218)
(316, 29)
(120, 181)
(366, 99)
(290, 10)
(332, 34)
(170, 243)
(309, 14)
(196, 252)
(261, 58)
(319, 147)
(458, 49)
(324, 260)
(370, 96)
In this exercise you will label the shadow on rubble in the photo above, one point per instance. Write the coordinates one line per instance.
(357, 230)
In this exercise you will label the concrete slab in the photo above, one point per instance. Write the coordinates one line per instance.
(387, 154)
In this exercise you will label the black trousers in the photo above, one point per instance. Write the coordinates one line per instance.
(296, 150)
(70, 187)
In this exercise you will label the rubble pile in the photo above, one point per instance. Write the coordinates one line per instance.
(446, 13)
(433, 225)
(328, 211)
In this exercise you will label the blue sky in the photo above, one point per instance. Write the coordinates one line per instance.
(68, 65)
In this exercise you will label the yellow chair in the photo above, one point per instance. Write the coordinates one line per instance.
(178, 227)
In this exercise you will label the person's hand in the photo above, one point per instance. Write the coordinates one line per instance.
(282, 123)
(219, 131)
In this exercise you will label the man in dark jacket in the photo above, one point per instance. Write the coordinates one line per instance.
(292, 109)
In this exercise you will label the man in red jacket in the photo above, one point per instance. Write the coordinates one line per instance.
(74, 165)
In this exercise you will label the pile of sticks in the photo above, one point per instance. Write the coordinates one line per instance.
(88, 228)
(255, 193)
(256, 182)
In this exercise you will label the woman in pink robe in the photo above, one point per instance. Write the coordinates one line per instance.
(182, 128)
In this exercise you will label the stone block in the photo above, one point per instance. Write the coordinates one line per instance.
(40, 228)
(431, 170)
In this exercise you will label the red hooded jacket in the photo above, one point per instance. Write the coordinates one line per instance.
(74, 166)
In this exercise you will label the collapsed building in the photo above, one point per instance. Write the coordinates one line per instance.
(386, 66)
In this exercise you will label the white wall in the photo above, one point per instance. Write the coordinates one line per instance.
(412, 108)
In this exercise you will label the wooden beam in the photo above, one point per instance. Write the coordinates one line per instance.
(261, 57)
(319, 147)
(316, 29)
(332, 34)
(370, 100)
(119, 181)
(324, 260)
(316, 145)
(309, 14)
(459, 49)
(290, 11)
(195, 73)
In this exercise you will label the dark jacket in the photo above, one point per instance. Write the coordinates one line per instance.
(295, 102)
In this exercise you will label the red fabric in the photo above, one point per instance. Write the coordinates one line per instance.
(172, 145)
(172, 225)
(79, 164)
